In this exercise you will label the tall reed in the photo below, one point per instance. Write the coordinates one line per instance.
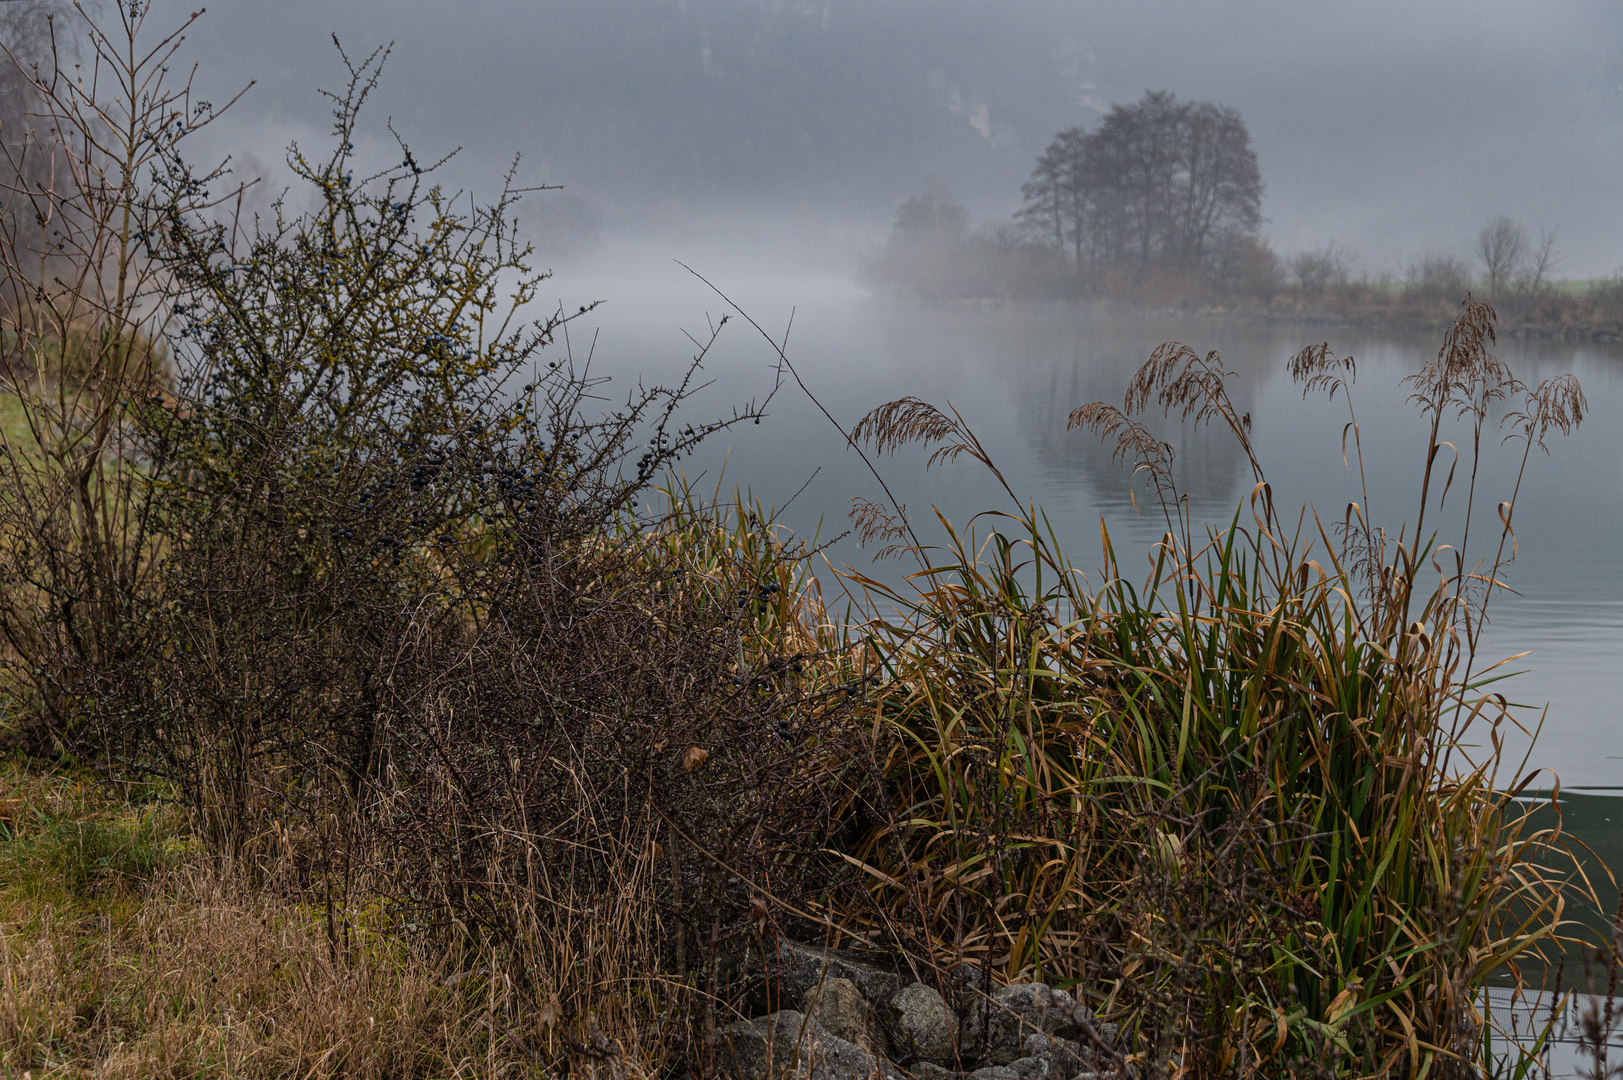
(1234, 806)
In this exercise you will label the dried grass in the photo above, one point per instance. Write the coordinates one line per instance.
(202, 970)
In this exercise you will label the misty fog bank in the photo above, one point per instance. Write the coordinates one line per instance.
(1391, 128)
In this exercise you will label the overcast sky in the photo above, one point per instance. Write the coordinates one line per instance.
(1393, 127)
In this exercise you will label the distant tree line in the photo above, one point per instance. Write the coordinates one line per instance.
(1158, 180)
(1160, 205)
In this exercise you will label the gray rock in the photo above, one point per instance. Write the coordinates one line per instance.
(1037, 1044)
(967, 977)
(841, 1010)
(1098, 1043)
(793, 968)
(790, 1044)
(929, 1070)
(996, 1029)
(919, 1026)
(1018, 1069)
(765, 1047)
(1022, 1069)
(1067, 1058)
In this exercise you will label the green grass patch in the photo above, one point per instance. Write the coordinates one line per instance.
(63, 840)
(13, 424)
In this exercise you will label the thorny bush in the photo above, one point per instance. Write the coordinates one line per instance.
(414, 622)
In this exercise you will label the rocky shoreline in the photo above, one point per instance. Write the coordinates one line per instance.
(856, 1016)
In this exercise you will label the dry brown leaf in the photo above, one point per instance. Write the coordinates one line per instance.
(758, 915)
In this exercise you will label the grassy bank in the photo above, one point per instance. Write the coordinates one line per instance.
(1219, 815)
(1566, 311)
(1590, 310)
(1003, 263)
(128, 951)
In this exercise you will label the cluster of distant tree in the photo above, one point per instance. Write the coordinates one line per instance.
(1159, 188)
(1510, 264)
(1158, 181)
(1161, 204)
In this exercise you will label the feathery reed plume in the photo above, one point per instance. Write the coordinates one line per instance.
(1222, 803)
(1317, 369)
(1464, 373)
(908, 420)
(1556, 404)
(1174, 377)
(876, 521)
(1178, 377)
(1134, 442)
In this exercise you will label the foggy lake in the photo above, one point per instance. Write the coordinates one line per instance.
(1015, 372)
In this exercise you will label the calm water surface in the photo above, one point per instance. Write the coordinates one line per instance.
(1015, 374)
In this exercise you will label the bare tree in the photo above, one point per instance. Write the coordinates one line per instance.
(1438, 273)
(25, 34)
(1044, 209)
(932, 214)
(1316, 272)
(1057, 197)
(1149, 169)
(1221, 185)
(1544, 258)
(1118, 213)
(1501, 246)
(928, 245)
